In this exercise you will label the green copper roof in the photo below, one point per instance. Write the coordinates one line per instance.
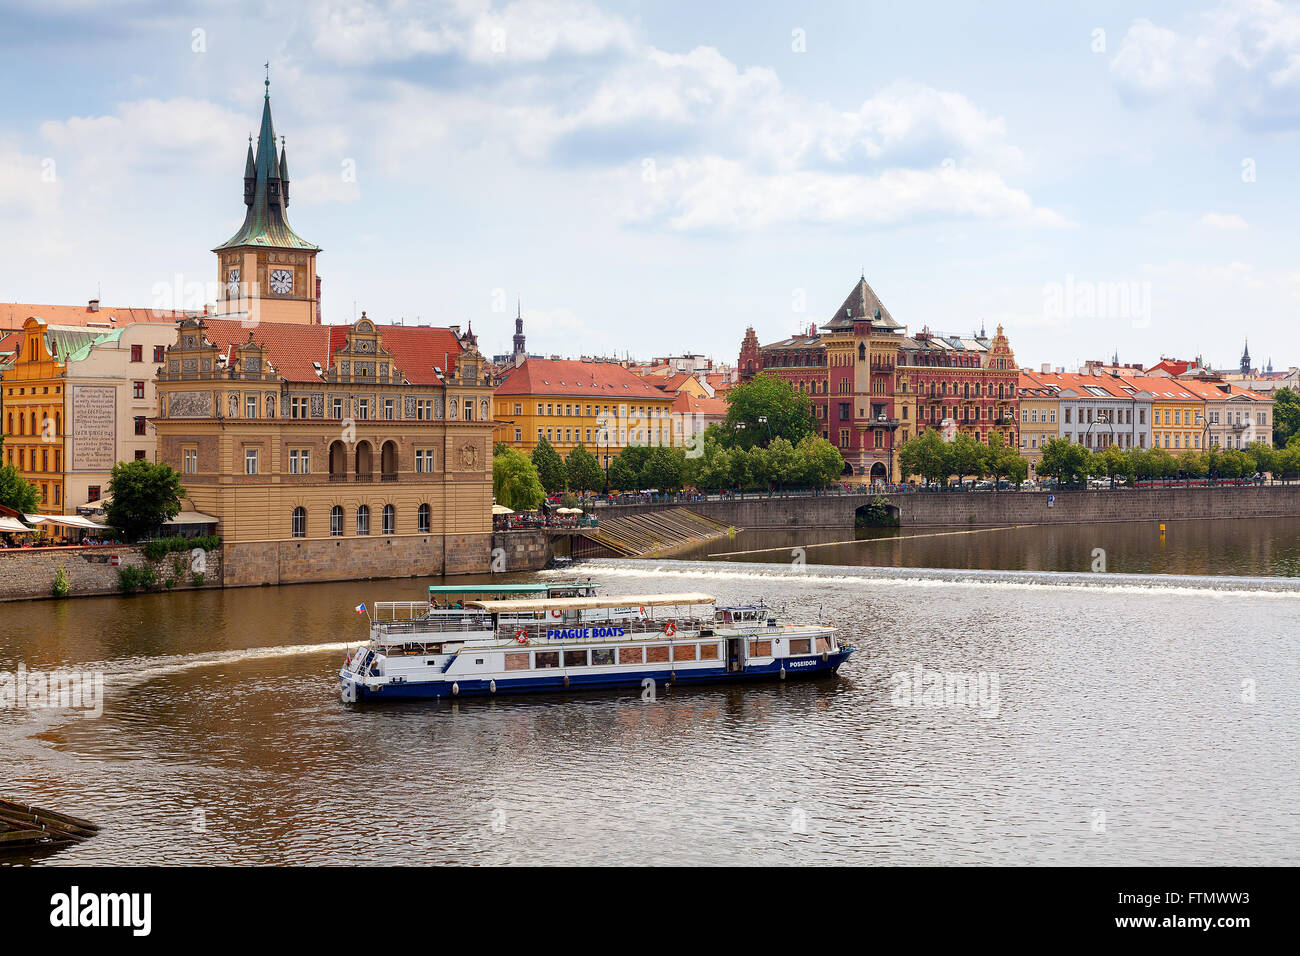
(83, 350)
(266, 224)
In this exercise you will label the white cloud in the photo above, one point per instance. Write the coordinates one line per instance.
(713, 193)
(1217, 220)
(1239, 61)
(527, 31)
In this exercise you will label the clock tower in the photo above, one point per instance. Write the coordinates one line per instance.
(266, 272)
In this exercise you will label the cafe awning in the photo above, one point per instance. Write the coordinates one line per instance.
(12, 524)
(69, 521)
(502, 510)
(193, 517)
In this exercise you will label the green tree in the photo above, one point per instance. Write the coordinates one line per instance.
(788, 413)
(1114, 462)
(822, 463)
(1263, 457)
(663, 468)
(714, 469)
(1001, 461)
(966, 456)
(781, 466)
(1064, 460)
(515, 483)
(550, 467)
(144, 496)
(1191, 464)
(585, 473)
(1286, 416)
(927, 455)
(17, 492)
(623, 474)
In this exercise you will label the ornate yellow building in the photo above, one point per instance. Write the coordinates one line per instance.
(600, 405)
(331, 452)
(33, 406)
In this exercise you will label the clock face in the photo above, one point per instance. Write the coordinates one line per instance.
(281, 281)
(232, 282)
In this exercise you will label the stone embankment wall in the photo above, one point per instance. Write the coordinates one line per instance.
(29, 573)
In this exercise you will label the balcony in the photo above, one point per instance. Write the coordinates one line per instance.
(368, 476)
(338, 477)
(388, 477)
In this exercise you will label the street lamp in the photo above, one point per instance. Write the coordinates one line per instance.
(601, 424)
(1101, 417)
(763, 419)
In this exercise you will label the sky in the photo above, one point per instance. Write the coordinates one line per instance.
(651, 178)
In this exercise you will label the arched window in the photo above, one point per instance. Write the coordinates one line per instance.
(364, 461)
(422, 520)
(336, 522)
(298, 523)
(389, 519)
(338, 462)
(388, 461)
(363, 520)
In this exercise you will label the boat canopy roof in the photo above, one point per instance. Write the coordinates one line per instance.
(594, 603)
(489, 588)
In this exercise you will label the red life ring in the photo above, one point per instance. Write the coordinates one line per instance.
(642, 610)
(555, 613)
(670, 628)
(521, 636)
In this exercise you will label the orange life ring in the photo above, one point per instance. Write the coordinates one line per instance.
(521, 636)
(670, 628)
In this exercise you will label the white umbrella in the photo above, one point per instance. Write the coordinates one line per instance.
(502, 510)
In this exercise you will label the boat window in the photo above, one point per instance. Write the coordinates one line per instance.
(823, 644)
(684, 652)
(629, 655)
(602, 655)
(760, 648)
(801, 646)
(575, 658)
(546, 659)
(708, 652)
(656, 654)
(517, 661)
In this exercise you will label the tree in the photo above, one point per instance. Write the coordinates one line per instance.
(550, 467)
(1001, 461)
(822, 463)
(1114, 462)
(965, 457)
(585, 473)
(788, 411)
(926, 455)
(1064, 460)
(1263, 457)
(515, 483)
(663, 468)
(1286, 416)
(623, 475)
(17, 492)
(144, 496)
(1191, 464)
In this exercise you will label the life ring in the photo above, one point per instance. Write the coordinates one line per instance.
(670, 628)
(521, 636)
(555, 613)
(642, 610)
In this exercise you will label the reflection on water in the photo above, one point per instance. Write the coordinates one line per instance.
(1248, 546)
(223, 739)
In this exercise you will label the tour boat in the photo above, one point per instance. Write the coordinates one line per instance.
(532, 638)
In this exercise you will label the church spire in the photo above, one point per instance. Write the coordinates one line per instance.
(266, 192)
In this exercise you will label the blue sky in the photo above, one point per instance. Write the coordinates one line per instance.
(654, 177)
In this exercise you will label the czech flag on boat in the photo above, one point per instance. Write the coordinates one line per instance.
(361, 609)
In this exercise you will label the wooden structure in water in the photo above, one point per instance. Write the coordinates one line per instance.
(24, 828)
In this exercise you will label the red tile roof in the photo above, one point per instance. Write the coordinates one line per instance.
(14, 314)
(601, 380)
(293, 348)
(686, 403)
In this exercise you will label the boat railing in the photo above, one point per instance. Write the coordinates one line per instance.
(400, 610)
(439, 624)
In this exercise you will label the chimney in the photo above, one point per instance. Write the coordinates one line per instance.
(94, 305)
(1047, 368)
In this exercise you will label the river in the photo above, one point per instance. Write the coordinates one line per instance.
(1139, 719)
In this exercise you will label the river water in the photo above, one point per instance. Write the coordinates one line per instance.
(1138, 719)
